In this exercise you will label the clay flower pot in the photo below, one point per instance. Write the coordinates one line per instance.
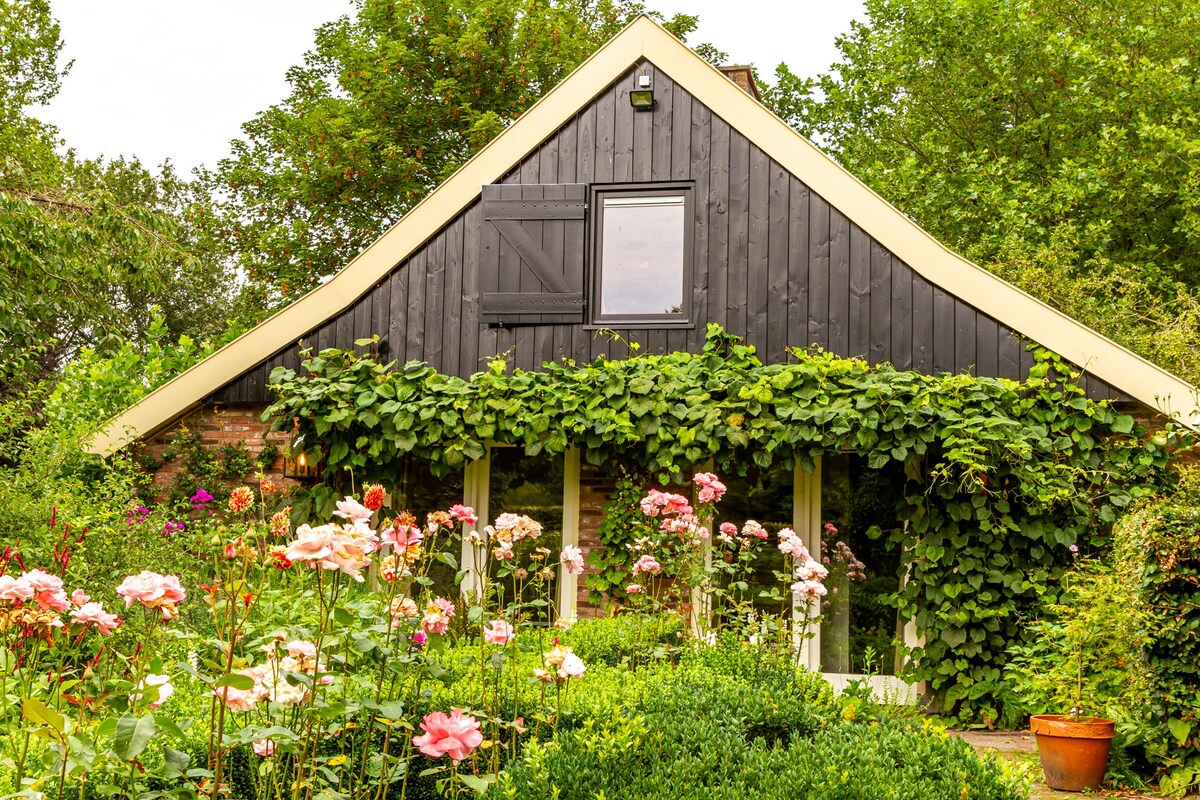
(1074, 752)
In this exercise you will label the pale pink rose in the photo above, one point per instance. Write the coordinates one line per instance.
(165, 689)
(455, 736)
(811, 589)
(93, 614)
(463, 514)
(499, 632)
(244, 699)
(153, 591)
(646, 563)
(752, 528)
(572, 666)
(301, 649)
(264, 748)
(572, 559)
(634, 588)
(437, 616)
(507, 521)
(503, 551)
(79, 598)
(729, 529)
(351, 509)
(47, 590)
(401, 536)
(15, 590)
(311, 544)
(811, 570)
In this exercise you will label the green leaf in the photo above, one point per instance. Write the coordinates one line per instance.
(1180, 729)
(39, 713)
(132, 735)
(235, 680)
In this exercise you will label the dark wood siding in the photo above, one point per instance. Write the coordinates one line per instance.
(773, 262)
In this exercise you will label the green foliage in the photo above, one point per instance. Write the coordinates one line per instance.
(1159, 546)
(1083, 650)
(390, 102)
(611, 641)
(1023, 132)
(612, 561)
(216, 470)
(1003, 476)
(702, 733)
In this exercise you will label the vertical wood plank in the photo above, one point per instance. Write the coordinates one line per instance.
(881, 304)
(839, 282)
(398, 324)
(361, 325)
(1009, 349)
(663, 130)
(380, 308)
(718, 223)
(343, 332)
(759, 249)
(922, 337)
(818, 272)
(624, 124)
(681, 133)
(702, 257)
(902, 315)
(777, 264)
(435, 287)
(415, 345)
(647, 128)
(739, 234)
(943, 331)
(799, 201)
(568, 152)
(965, 318)
(987, 356)
(468, 363)
(606, 110)
(453, 329)
(586, 146)
(858, 339)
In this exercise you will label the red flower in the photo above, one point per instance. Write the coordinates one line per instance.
(373, 496)
(240, 499)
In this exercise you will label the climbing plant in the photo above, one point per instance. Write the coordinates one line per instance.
(1002, 476)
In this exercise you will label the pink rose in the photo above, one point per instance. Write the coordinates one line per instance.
(165, 689)
(351, 509)
(437, 617)
(93, 614)
(634, 588)
(572, 666)
(711, 489)
(572, 559)
(301, 649)
(47, 590)
(153, 591)
(463, 514)
(499, 632)
(15, 590)
(456, 735)
(646, 563)
(264, 747)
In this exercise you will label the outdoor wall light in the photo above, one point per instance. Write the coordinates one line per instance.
(642, 98)
(296, 465)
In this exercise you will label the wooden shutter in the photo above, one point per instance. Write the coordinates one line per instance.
(531, 253)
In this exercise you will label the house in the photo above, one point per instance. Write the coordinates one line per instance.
(651, 195)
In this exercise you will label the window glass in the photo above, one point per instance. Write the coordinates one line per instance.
(642, 256)
(533, 486)
(765, 496)
(859, 627)
(420, 493)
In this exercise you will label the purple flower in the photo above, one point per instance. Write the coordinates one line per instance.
(137, 515)
(201, 498)
(1074, 549)
(419, 639)
(171, 527)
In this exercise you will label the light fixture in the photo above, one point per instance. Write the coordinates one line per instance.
(642, 98)
(297, 466)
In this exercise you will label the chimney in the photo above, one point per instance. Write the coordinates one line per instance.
(743, 76)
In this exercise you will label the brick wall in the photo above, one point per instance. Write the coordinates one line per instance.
(594, 490)
(219, 426)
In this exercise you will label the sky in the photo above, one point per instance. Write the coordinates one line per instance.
(175, 79)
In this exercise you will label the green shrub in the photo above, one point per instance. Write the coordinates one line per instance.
(617, 640)
(1160, 547)
(695, 732)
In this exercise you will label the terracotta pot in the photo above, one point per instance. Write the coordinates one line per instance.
(1074, 752)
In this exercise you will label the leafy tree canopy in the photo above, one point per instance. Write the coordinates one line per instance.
(388, 104)
(1051, 141)
(88, 248)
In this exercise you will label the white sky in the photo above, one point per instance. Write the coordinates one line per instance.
(175, 79)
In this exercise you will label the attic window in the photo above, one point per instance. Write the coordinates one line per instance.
(642, 255)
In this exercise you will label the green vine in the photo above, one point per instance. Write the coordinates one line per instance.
(1002, 475)
(612, 561)
(212, 469)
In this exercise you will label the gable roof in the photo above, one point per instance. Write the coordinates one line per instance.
(645, 39)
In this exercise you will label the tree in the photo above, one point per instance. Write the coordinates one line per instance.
(88, 248)
(1045, 140)
(386, 106)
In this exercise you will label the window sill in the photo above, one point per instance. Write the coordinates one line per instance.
(645, 324)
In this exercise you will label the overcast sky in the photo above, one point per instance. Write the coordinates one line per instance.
(175, 79)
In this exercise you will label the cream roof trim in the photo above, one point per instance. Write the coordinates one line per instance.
(644, 38)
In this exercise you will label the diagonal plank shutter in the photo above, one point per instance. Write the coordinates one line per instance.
(531, 253)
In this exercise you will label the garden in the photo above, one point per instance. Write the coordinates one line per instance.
(238, 639)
